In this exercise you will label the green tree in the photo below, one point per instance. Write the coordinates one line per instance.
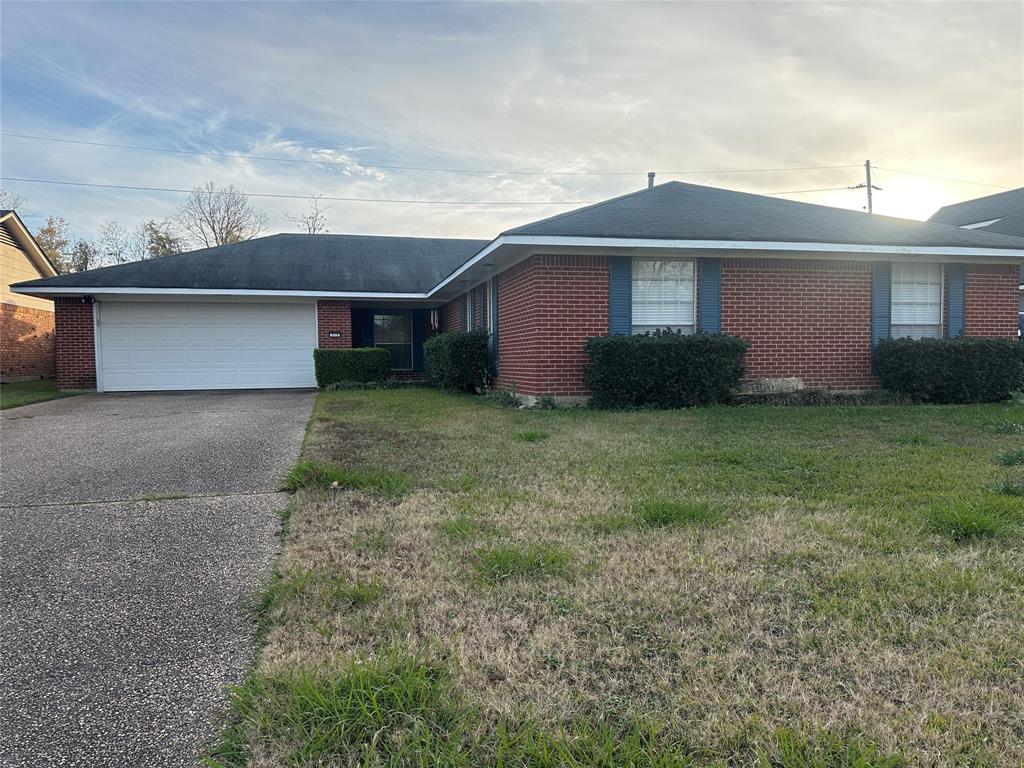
(54, 238)
(159, 239)
(84, 255)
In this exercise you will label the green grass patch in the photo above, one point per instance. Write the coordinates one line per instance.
(462, 527)
(1008, 487)
(1004, 427)
(657, 513)
(964, 521)
(19, 393)
(534, 561)
(402, 711)
(532, 436)
(792, 749)
(311, 473)
(1012, 458)
(395, 711)
(310, 591)
(662, 513)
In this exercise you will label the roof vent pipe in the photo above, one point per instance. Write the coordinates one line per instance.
(650, 179)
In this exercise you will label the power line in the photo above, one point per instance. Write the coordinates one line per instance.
(941, 178)
(269, 158)
(296, 197)
(802, 191)
(66, 183)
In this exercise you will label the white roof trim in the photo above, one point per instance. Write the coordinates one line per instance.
(764, 245)
(78, 291)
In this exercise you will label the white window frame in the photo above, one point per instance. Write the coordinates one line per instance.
(489, 308)
(918, 330)
(640, 328)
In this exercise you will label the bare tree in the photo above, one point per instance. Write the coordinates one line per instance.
(215, 216)
(54, 238)
(118, 245)
(314, 222)
(9, 201)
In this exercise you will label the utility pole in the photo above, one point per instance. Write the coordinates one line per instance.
(868, 185)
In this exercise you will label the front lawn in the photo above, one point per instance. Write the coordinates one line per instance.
(27, 392)
(463, 585)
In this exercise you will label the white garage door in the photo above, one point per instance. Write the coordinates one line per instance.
(145, 346)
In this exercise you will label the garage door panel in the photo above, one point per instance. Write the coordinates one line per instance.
(205, 346)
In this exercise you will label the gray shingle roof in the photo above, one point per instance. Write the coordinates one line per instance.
(678, 211)
(287, 262)
(1011, 224)
(981, 209)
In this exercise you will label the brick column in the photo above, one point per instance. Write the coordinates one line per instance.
(75, 343)
(334, 317)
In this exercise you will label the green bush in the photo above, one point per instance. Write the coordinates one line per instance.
(956, 370)
(456, 360)
(361, 364)
(664, 369)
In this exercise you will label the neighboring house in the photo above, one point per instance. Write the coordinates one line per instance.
(1002, 212)
(812, 288)
(26, 322)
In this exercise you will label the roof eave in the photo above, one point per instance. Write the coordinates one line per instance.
(27, 241)
(507, 250)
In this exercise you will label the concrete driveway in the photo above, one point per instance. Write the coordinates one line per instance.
(133, 530)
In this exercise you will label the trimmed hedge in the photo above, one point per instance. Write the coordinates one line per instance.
(456, 359)
(957, 370)
(359, 364)
(664, 369)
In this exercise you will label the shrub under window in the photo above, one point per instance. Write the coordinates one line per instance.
(957, 370)
(664, 369)
(456, 359)
(341, 365)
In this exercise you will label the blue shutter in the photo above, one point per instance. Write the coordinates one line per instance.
(955, 298)
(709, 295)
(494, 325)
(881, 294)
(620, 295)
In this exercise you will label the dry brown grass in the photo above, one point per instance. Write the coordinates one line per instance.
(815, 612)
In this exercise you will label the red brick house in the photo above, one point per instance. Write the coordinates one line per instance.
(26, 322)
(812, 288)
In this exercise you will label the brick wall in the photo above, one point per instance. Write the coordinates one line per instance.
(333, 316)
(451, 314)
(991, 300)
(804, 318)
(547, 307)
(75, 345)
(26, 343)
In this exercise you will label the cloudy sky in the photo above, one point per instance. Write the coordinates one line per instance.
(933, 88)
